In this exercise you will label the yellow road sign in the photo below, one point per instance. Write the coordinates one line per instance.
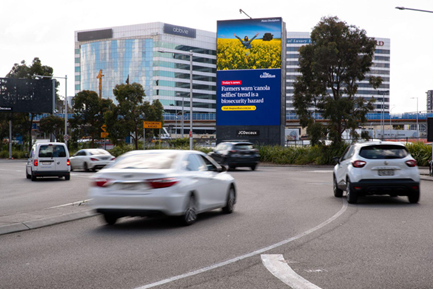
(104, 134)
(151, 125)
(104, 127)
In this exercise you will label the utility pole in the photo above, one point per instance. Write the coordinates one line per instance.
(100, 75)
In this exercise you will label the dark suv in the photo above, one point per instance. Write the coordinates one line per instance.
(236, 154)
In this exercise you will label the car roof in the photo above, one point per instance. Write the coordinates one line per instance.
(371, 143)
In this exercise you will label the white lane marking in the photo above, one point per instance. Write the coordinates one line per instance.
(72, 203)
(251, 254)
(277, 265)
(321, 171)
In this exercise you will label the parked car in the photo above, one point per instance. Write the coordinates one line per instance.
(376, 168)
(90, 159)
(236, 154)
(48, 159)
(178, 183)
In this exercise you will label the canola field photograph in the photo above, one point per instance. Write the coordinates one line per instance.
(262, 54)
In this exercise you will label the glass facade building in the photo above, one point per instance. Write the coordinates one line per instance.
(132, 53)
(380, 68)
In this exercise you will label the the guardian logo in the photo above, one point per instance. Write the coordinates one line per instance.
(266, 75)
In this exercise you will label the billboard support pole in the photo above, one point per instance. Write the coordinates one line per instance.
(10, 139)
(191, 100)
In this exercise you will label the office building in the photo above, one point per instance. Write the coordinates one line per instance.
(381, 68)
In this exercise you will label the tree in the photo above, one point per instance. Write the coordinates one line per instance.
(88, 114)
(52, 125)
(23, 122)
(126, 118)
(338, 57)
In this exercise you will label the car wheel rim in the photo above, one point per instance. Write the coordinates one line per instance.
(348, 190)
(231, 200)
(190, 214)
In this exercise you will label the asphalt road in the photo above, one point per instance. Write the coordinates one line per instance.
(381, 242)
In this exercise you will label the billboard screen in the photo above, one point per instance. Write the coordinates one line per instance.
(249, 72)
(26, 95)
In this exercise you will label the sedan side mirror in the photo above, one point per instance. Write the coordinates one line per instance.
(337, 160)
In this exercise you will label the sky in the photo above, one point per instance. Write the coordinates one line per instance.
(45, 29)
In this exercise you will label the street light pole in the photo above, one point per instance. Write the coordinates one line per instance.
(417, 115)
(404, 8)
(382, 112)
(191, 93)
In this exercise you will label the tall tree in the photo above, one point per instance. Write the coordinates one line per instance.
(88, 111)
(52, 125)
(126, 118)
(24, 121)
(338, 58)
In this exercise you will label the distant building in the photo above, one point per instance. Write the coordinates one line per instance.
(381, 68)
(429, 104)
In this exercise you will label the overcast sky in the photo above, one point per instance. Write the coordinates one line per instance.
(45, 29)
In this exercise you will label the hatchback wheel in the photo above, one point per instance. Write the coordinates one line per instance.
(33, 176)
(351, 194)
(414, 197)
(336, 190)
(85, 167)
(190, 215)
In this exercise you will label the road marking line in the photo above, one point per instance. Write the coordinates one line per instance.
(278, 267)
(251, 254)
(72, 203)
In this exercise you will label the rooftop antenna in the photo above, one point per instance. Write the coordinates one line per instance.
(242, 11)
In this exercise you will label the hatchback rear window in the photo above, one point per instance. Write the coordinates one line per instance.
(383, 152)
(161, 160)
(52, 151)
(243, 146)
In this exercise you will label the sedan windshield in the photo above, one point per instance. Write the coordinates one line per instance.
(383, 152)
(160, 160)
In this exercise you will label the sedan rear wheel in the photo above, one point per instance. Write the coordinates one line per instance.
(85, 167)
(110, 219)
(190, 215)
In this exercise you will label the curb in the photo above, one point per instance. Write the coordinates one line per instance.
(39, 223)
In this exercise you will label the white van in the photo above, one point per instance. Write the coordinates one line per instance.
(48, 159)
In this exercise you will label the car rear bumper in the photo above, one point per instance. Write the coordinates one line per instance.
(50, 173)
(401, 187)
(242, 161)
(137, 204)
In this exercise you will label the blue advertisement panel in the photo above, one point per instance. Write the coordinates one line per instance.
(249, 72)
(248, 97)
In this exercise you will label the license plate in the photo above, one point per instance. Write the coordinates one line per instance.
(129, 186)
(46, 163)
(386, 172)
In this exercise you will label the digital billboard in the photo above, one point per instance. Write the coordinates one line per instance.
(26, 95)
(249, 72)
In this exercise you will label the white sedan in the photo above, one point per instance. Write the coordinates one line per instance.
(179, 183)
(90, 159)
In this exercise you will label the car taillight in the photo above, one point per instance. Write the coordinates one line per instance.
(93, 159)
(232, 151)
(411, 163)
(100, 182)
(359, 163)
(68, 162)
(35, 162)
(113, 158)
(162, 182)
